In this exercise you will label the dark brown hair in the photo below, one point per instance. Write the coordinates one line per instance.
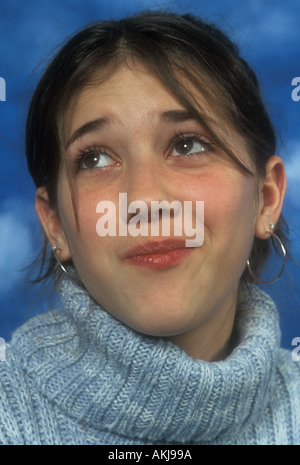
(175, 49)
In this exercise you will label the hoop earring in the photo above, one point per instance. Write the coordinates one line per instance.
(271, 226)
(54, 248)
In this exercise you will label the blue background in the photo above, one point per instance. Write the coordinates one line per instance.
(268, 33)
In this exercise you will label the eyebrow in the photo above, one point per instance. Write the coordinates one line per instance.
(170, 116)
(176, 116)
(88, 128)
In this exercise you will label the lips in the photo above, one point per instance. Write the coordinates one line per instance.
(159, 254)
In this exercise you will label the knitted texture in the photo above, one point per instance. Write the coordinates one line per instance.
(79, 376)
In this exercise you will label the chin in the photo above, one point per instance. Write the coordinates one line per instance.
(160, 326)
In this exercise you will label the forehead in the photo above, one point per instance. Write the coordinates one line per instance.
(124, 96)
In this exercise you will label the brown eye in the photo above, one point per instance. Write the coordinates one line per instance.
(189, 146)
(91, 161)
(96, 160)
(184, 146)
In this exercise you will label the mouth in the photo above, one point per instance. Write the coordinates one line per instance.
(159, 254)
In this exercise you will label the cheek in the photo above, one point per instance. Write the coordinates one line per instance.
(85, 235)
(229, 200)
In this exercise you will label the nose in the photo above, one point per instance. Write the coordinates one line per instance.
(149, 188)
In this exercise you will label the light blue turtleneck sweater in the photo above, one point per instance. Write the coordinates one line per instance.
(79, 376)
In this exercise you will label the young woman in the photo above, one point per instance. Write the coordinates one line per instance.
(157, 342)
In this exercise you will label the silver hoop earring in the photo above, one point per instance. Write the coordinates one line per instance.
(271, 226)
(54, 248)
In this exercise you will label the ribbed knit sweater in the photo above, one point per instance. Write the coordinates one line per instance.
(79, 376)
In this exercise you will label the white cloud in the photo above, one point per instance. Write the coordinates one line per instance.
(16, 242)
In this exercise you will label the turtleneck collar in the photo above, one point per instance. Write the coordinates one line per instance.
(105, 375)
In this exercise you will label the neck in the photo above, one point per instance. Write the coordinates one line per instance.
(211, 339)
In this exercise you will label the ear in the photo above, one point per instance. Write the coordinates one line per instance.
(272, 192)
(51, 224)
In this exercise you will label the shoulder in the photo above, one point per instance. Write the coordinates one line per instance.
(13, 399)
(289, 372)
(286, 397)
(17, 394)
(289, 366)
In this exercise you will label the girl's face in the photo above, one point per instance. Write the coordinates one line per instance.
(130, 135)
